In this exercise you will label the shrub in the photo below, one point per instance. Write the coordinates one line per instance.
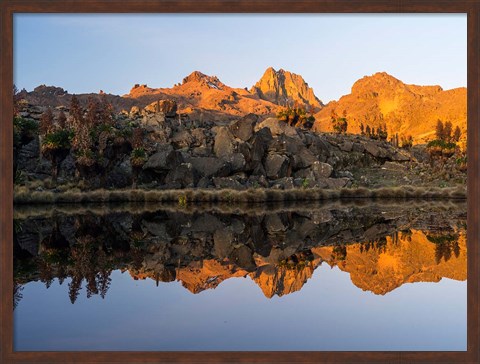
(59, 139)
(24, 129)
(407, 142)
(138, 157)
(296, 116)
(340, 124)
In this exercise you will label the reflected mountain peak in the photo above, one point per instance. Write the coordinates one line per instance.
(381, 247)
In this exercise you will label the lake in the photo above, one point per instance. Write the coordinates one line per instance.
(367, 275)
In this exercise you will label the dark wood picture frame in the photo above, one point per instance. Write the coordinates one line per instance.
(9, 7)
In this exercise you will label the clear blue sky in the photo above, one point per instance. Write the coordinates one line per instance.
(86, 53)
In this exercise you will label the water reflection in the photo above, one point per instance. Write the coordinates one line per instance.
(380, 245)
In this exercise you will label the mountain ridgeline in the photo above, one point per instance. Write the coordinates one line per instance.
(376, 101)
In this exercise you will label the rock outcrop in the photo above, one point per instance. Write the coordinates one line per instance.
(285, 88)
(381, 99)
(251, 151)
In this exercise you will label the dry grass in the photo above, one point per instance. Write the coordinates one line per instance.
(23, 195)
(101, 209)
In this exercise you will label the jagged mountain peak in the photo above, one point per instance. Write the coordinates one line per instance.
(199, 77)
(284, 88)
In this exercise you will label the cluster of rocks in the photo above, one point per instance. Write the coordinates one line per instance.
(251, 152)
(245, 153)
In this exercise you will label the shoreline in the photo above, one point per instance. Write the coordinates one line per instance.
(25, 211)
(247, 196)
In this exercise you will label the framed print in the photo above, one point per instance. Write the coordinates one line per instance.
(239, 181)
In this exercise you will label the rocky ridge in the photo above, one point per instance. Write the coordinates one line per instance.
(248, 152)
(375, 100)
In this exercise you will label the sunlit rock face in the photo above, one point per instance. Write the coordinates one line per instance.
(285, 88)
(381, 99)
(375, 100)
(380, 246)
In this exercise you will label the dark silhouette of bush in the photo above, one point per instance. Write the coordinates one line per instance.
(296, 116)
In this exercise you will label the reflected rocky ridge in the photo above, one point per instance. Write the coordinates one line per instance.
(381, 245)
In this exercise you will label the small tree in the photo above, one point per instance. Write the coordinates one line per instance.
(106, 111)
(382, 132)
(368, 131)
(439, 130)
(92, 116)
(340, 125)
(407, 142)
(447, 132)
(83, 147)
(62, 120)
(46, 122)
(55, 142)
(76, 112)
(456, 134)
(395, 140)
(362, 129)
(297, 116)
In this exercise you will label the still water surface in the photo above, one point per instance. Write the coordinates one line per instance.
(376, 276)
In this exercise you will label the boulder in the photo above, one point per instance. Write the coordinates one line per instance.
(358, 147)
(336, 183)
(237, 162)
(245, 149)
(400, 157)
(256, 181)
(260, 143)
(134, 112)
(210, 166)
(277, 166)
(318, 146)
(202, 151)
(305, 173)
(346, 146)
(224, 145)
(227, 182)
(375, 150)
(182, 139)
(164, 160)
(200, 139)
(303, 159)
(28, 156)
(153, 121)
(183, 176)
(321, 170)
(165, 107)
(67, 167)
(284, 183)
(259, 170)
(204, 182)
(243, 128)
(277, 127)
(120, 176)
